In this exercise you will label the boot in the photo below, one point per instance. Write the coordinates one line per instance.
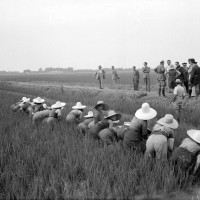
(159, 91)
(163, 92)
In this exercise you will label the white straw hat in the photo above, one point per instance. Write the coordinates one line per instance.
(112, 113)
(194, 134)
(38, 100)
(169, 121)
(105, 106)
(58, 104)
(79, 106)
(24, 99)
(89, 115)
(145, 113)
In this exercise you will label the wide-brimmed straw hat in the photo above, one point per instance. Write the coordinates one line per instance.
(105, 106)
(145, 112)
(178, 81)
(112, 113)
(194, 135)
(79, 106)
(89, 115)
(169, 121)
(24, 99)
(38, 100)
(58, 104)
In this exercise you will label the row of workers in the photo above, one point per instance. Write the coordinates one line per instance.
(134, 135)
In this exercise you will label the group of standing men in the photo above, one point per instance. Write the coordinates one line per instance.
(166, 76)
(189, 77)
(100, 76)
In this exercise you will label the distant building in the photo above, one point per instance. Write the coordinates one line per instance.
(27, 71)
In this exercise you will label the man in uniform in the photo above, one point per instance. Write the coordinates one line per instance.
(136, 77)
(146, 76)
(161, 77)
(100, 75)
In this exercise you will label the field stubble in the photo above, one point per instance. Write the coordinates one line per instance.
(62, 164)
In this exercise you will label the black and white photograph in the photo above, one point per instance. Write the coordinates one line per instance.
(100, 99)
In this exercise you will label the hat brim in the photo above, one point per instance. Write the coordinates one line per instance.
(193, 136)
(173, 125)
(38, 102)
(26, 100)
(88, 116)
(105, 106)
(145, 116)
(118, 116)
(78, 107)
(60, 106)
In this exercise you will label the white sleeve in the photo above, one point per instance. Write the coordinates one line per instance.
(175, 91)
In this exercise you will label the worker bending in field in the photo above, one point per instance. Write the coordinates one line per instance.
(109, 135)
(75, 115)
(55, 113)
(187, 155)
(135, 135)
(107, 122)
(162, 137)
(98, 111)
(17, 106)
(178, 99)
(37, 105)
(83, 126)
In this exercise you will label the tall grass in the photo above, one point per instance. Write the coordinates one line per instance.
(62, 164)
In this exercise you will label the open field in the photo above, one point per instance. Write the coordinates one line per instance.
(61, 164)
(81, 78)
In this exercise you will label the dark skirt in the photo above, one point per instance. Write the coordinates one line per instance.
(183, 158)
(94, 130)
(130, 144)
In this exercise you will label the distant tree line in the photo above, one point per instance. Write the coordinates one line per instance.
(49, 70)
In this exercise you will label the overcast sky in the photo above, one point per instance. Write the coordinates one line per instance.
(87, 33)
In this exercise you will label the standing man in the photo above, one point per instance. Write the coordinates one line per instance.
(115, 77)
(169, 67)
(146, 76)
(136, 77)
(100, 75)
(161, 77)
(183, 74)
(189, 74)
(195, 78)
(186, 77)
(172, 73)
(178, 99)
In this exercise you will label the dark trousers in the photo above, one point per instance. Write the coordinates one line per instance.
(186, 86)
(147, 84)
(136, 84)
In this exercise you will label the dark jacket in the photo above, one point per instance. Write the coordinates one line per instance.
(195, 75)
(183, 75)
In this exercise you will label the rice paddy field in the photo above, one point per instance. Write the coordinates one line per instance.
(81, 78)
(63, 164)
